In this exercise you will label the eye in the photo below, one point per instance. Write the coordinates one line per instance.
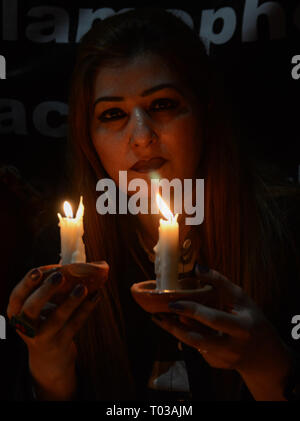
(163, 104)
(111, 115)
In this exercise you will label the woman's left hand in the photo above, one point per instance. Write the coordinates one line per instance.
(240, 338)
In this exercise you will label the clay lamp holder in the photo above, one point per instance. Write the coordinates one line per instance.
(153, 300)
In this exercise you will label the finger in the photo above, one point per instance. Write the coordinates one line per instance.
(24, 288)
(59, 317)
(38, 299)
(79, 317)
(213, 318)
(190, 337)
(217, 280)
(47, 310)
(24, 337)
(226, 291)
(212, 275)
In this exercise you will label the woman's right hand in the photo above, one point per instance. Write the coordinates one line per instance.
(52, 351)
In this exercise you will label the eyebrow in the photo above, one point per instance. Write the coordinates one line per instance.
(143, 94)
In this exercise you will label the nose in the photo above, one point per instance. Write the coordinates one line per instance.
(142, 133)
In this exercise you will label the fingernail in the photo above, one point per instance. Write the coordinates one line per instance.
(55, 278)
(200, 269)
(78, 291)
(176, 306)
(94, 296)
(49, 272)
(35, 274)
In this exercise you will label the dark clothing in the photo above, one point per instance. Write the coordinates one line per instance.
(151, 342)
(146, 341)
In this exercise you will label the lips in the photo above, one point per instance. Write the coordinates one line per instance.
(151, 164)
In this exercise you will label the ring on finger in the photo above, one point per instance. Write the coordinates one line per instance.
(22, 323)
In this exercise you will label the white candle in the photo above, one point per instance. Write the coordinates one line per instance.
(167, 249)
(71, 232)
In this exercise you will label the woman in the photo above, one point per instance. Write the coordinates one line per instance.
(144, 89)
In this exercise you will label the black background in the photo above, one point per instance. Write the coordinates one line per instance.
(258, 82)
(257, 73)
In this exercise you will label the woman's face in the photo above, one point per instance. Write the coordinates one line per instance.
(146, 119)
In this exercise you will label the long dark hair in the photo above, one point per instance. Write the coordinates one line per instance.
(242, 219)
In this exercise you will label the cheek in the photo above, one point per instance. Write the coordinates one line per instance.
(109, 154)
(184, 140)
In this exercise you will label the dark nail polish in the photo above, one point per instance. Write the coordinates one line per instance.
(35, 274)
(49, 272)
(94, 296)
(176, 306)
(200, 269)
(56, 278)
(78, 291)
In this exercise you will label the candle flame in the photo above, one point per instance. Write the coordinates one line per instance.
(164, 209)
(68, 210)
(80, 210)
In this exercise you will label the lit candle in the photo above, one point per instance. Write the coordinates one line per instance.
(71, 232)
(167, 249)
